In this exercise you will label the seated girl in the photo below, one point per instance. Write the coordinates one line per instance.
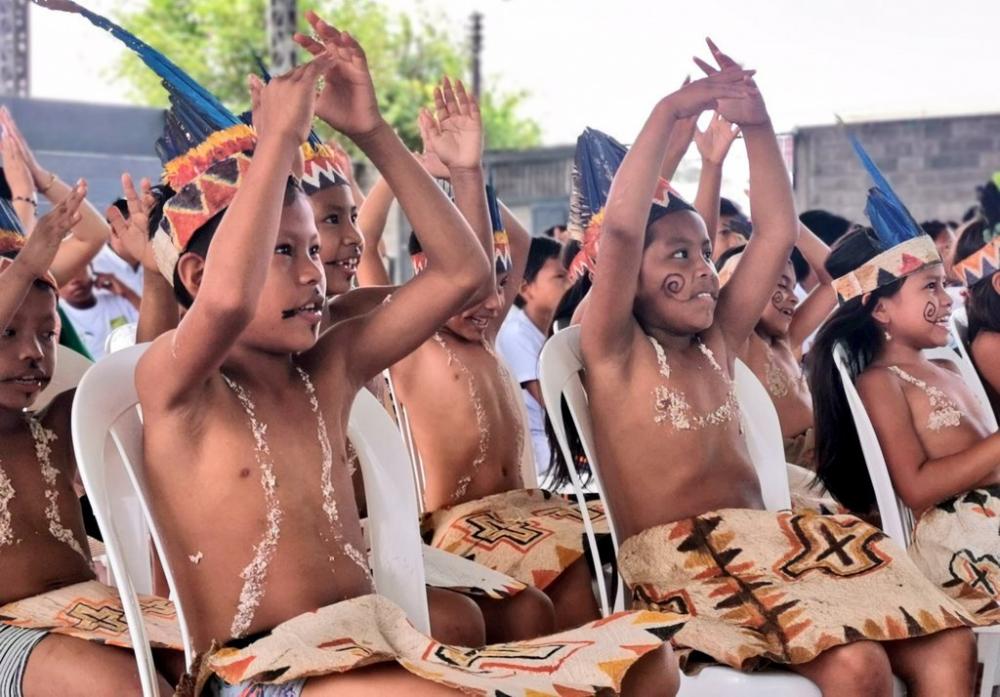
(942, 458)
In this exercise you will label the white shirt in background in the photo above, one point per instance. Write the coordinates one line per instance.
(520, 344)
(93, 324)
(107, 261)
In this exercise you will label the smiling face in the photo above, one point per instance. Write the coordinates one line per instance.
(678, 287)
(918, 314)
(471, 324)
(778, 314)
(28, 349)
(341, 243)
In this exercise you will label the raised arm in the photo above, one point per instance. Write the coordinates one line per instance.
(919, 480)
(23, 196)
(372, 218)
(520, 242)
(775, 225)
(35, 258)
(158, 311)
(457, 266)
(680, 140)
(180, 362)
(607, 326)
(713, 146)
(822, 300)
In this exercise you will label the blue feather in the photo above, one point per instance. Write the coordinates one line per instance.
(494, 207)
(890, 219)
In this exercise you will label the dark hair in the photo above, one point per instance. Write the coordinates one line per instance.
(122, 206)
(840, 461)
(571, 298)
(828, 226)
(558, 469)
(541, 250)
(570, 250)
(727, 207)
(413, 245)
(728, 254)
(970, 213)
(550, 231)
(203, 236)
(5, 192)
(983, 303)
(934, 228)
(800, 265)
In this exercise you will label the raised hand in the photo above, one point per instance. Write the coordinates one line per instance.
(714, 142)
(347, 101)
(455, 132)
(428, 158)
(744, 110)
(730, 84)
(134, 233)
(284, 107)
(15, 167)
(39, 175)
(51, 229)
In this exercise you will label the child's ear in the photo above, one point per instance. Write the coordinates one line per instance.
(995, 281)
(880, 313)
(190, 268)
(524, 287)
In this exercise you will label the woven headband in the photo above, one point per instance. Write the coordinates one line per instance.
(980, 265)
(905, 258)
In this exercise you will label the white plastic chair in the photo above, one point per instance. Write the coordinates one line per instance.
(70, 367)
(897, 519)
(120, 337)
(107, 435)
(560, 365)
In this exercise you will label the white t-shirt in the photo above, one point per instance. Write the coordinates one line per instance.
(93, 324)
(520, 344)
(107, 261)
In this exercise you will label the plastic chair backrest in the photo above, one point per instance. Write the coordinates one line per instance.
(120, 337)
(70, 368)
(897, 519)
(106, 410)
(762, 432)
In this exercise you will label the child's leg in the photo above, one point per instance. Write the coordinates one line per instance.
(655, 674)
(572, 595)
(62, 666)
(942, 664)
(527, 615)
(860, 669)
(375, 681)
(455, 618)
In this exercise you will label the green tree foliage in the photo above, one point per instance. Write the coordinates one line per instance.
(216, 41)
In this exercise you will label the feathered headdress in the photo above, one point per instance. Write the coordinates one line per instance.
(12, 240)
(598, 157)
(205, 148)
(907, 247)
(985, 261)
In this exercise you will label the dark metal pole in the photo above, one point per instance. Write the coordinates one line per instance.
(14, 54)
(282, 16)
(476, 45)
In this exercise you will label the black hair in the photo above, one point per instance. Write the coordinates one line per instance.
(558, 470)
(934, 228)
(550, 231)
(800, 265)
(983, 303)
(541, 250)
(727, 255)
(970, 213)
(840, 461)
(727, 207)
(573, 296)
(828, 226)
(122, 206)
(5, 192)
(203, 236)
(413, 245)
(570, 250)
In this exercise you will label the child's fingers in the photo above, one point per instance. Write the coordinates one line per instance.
(440, 105)
(322, 29)
(309, 44)
(449, 97)
(465, 100)
(705, 67)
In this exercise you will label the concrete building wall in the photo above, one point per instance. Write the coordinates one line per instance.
(934, 164)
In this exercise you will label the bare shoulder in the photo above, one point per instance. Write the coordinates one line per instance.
(986, 345)
(57, 415)
(877, 381)
(950, 366)
(357, 302)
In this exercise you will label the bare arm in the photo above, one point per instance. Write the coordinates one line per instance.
(822, 300)
(520, 242)
(23, 194)
(456, 266)
(713, 146)
(236, 266)
(920, 481)
(606, 330)
(372, 217)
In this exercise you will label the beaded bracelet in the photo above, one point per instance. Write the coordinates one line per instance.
(52, 180)
(26, 199)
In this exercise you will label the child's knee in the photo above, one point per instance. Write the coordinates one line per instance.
(864, 664)
(656, 673)
(455, 618)
(532, 611)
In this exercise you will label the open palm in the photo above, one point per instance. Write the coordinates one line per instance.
(745, 110)
(455, 133)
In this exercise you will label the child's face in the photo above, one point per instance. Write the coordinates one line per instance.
(28, 349)
(340, 240)
(291, 304)
(918, 314)
(779, 312)
(544, 293)
(678, 287)
(726, 238)
(471, 324)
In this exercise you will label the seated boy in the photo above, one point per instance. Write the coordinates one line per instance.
(97, 305)
(463, 409)
(811, 592)
(48, 644)
(261, 406)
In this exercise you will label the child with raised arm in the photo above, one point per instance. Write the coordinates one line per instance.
(659, 339)
(464, 411)
(943, 459)
(977, 260)
(245, 408)
(47, 582)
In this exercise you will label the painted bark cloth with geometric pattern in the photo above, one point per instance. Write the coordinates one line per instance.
(530, 534)
(93, 611)
(782, 587)
(371, 629)
(446, 570)
(957, 546)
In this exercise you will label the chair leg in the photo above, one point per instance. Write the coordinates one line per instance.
(988, 646)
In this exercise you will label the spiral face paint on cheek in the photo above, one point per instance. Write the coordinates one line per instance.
(778, 299)
(674, 283)
(931, 312)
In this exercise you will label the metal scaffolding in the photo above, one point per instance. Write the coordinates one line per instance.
(14, 68)
(282, 16)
